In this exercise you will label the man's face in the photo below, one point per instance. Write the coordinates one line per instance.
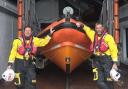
(99, 28)
(28, 32)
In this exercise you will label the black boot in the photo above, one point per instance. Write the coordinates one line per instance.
(103, 85)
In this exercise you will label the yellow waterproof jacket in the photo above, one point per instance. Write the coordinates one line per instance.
(38, 42)
(112, 50)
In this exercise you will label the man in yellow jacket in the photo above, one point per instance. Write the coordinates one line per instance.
(22, 53)
(105, 54)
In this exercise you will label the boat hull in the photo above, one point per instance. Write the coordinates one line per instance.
(67, 43)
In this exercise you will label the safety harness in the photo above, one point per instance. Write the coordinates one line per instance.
(27, 48)
(99, 45)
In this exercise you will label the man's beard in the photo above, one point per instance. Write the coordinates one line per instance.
(27, 37)
(99, 33)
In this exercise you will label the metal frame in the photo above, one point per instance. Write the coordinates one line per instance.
(124, 51)
(30, 17)
(123, 26)
(8, 6)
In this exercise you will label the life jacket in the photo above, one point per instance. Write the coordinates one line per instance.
(27, 47)
(99, 45)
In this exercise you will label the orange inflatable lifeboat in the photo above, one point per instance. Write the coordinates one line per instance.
(68, 44)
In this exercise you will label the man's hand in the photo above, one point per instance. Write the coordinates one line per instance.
(51, 31)
(115, 66)
(10, 65)
(79, 24)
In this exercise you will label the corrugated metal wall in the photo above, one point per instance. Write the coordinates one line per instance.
(8, 31)
(47, 10)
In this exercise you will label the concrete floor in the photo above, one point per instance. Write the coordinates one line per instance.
(54, 78)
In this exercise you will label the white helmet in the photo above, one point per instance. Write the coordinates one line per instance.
(8, 75)
(115, 75)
